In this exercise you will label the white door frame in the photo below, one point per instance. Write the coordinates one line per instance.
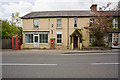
(36, 43)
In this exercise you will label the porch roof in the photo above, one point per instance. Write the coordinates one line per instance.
(76, 32)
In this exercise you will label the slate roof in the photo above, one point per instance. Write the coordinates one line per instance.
(57, 14)
(74, 13)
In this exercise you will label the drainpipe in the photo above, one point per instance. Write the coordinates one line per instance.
(68, 33)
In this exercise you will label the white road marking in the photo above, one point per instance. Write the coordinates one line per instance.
(17, 64)
(104, 63)
(91, 54)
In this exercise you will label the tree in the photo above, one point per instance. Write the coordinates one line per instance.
(8, 30)
(118, 9)
(101, 25)
(118, 5)
(11, 27)
(15, 20)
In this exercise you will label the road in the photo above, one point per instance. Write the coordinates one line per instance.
(56, 64)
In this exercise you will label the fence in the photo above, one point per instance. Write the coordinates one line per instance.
(6, 43)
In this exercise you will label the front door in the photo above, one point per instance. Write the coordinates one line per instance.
(36, 43)
(75, 42)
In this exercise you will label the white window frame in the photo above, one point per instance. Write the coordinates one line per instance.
(115, 23)
(75, 19)
(91, 20)
(59, 38)
(59, 23)
(37, 23)
(43, 40)
(38, 36)
(91, 39)
(115, 36)
(113, 40)
(25, 38)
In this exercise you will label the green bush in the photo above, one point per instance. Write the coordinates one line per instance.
(98, 43)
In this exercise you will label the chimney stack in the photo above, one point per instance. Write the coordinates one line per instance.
(93, 7)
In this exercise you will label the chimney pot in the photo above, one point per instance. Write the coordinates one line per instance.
(93, 7)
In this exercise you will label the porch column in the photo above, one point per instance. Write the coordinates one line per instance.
(72, 44)
(78, 42)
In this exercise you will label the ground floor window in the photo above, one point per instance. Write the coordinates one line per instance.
(115, 39)
(28, 38)
(115, 36)
(59, 38)
(110, 37)
(91, 39)
(40, 37)
(43, 38)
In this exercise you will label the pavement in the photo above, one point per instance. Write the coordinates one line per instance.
(61, 51)
(57, 64)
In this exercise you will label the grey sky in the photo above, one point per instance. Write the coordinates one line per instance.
(25, 6)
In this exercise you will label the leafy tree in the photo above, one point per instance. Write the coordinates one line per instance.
(102, 23)
(11, 27)
(15, 20)
(118, 9)
(119, 5)
(8, 30)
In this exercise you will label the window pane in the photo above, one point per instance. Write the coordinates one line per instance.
(39, 38)
(28, 38)
(36, 23)
(58, 25)
(46, 38)
(59, 38)
(75, 22)
(58, 41)
(115, 23)
(43, 38)
(59, 35)
(31, 38)
(59, 22)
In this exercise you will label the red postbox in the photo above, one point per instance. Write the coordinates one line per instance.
(16, 42)
(52, 40)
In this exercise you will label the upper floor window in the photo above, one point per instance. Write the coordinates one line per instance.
(75, 22)
(91, 21)
(115, 23)
(36, 23)
(59, 23)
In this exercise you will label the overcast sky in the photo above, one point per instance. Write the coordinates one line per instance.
(7, 7)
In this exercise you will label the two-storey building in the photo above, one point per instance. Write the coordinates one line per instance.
(57, 29)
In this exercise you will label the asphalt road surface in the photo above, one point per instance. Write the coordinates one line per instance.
(56, 64)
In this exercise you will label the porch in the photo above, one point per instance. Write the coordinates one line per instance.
(76, 39)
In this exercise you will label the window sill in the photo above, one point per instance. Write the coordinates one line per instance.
(59, 27)
(75, 27)
(35, 28)
(36, 43)
(28, 43)
(59, 44)
(43, 43)
(115, 28)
